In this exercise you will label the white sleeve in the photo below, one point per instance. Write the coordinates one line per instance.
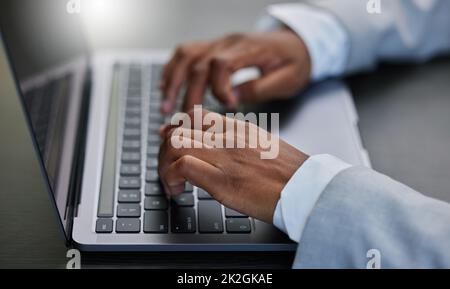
(324, 36)
(343, 37)
(301, 193)
(403, 30)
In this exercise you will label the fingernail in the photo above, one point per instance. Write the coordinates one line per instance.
(161, 130)
(167, 191)
(237, 93)
(230, 105)
(166, 106)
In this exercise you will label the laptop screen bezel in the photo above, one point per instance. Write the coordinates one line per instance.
(65, 222)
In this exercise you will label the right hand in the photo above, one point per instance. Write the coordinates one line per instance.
(236, 177)
(281, 57)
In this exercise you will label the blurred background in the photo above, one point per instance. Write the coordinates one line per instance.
(164, 23)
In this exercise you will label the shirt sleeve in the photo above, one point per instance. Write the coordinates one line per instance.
(324, 36)
(401, 31)
(301, 193)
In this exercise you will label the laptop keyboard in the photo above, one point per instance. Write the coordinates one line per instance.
(141, 205)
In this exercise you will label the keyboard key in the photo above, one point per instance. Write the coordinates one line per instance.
(129, 183)
(134, 101)
(156, 94)
(152, 176)
(155, 118)
(154, 189)
(184, 200)
(128, 210)
(188, 187)
(134, 92)
(155, 98)
(130, 170)
(133, 111)
(104, 226)
(155, 203)
(154, 142)
(230, 213)
(203, 195)
(156, 222)
(152, 151)
(130, 196)
(134, 88)
(154, 115)
(130, 157)
(153, 125)
(183, 220)
(128, 225)
(133, 122)
(209, 217)
(132, 134)
(152, 163)
(238, 225)
(135, 107)
(153, 138)
(154, 108)
(131, 145)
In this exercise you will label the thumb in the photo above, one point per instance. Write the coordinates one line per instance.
(283, 82)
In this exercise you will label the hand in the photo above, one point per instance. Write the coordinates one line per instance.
(281, 57)
(236, 177)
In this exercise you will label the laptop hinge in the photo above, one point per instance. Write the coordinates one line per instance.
(80, 148)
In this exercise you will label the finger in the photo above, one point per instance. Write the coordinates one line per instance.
(165, 129)
(193, 170)
(175, 73)
(175, 147)
(186, 120)
(203, 119)
(198, 81)
(221, 69)
(167, 71)
(176, 77)
(210, 129)
(282, 82)
(224, 64)
(203, 139)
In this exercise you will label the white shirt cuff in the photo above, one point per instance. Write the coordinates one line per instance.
(301, 193)
(324, 36)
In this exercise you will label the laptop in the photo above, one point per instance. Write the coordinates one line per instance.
(93, 118)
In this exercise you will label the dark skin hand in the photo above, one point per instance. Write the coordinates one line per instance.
(236, 177)
(281, 57)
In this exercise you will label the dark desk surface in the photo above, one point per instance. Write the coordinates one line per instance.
(404, 120)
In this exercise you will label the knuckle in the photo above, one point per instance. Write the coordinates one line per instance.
(218, 90)
(191, 112)
(170, 133)
(183, 50)
(234, 37)
(183, 163)
(219, 197)
(199, 70)
(170, 146)
(173, 140)
(220, 62)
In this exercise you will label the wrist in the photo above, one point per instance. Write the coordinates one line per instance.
(289, 168)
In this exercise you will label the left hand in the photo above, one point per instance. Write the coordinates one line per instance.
(281, 56)
(236, 177)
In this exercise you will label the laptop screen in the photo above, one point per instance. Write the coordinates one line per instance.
(47, 53)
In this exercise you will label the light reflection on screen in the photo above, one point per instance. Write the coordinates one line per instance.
(47, 51)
